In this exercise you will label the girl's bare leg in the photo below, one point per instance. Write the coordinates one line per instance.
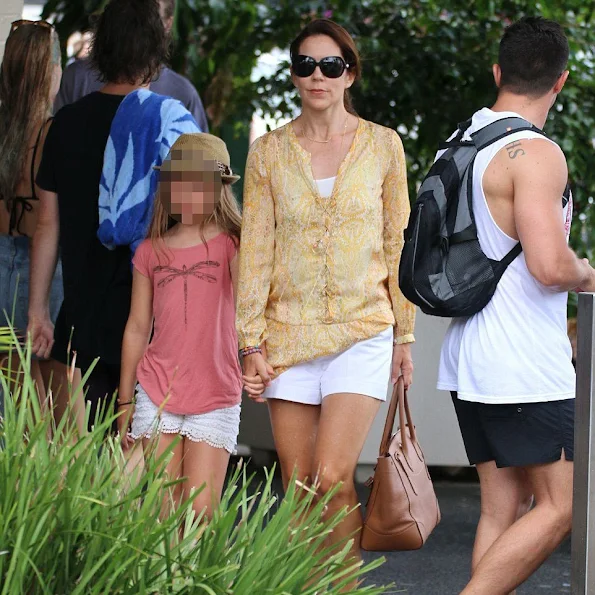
(204, 466)
(155, 448)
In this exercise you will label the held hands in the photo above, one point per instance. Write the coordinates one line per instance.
(402, 364)
(258, 372)
(41, 331)
(257, 375)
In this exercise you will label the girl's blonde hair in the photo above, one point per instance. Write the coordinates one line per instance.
(226, 216)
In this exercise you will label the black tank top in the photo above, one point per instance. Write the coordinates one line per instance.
(19, 205)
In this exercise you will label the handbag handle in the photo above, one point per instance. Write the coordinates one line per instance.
(399, 399)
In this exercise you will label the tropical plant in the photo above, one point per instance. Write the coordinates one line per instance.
(74, 519)
(5, 339)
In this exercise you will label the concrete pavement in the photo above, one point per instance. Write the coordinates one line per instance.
(441, 567)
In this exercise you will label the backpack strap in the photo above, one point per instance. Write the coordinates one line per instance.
(512, 255)
(457, 140)
(492, 133)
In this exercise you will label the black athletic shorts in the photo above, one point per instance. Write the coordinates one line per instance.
(516, 435)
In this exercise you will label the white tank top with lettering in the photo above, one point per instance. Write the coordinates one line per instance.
(516, 350)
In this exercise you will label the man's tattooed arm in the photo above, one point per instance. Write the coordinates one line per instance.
(515, 149)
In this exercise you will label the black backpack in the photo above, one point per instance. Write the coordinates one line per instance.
(443, 269)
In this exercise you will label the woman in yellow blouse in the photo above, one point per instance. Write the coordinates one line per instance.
(322, 324)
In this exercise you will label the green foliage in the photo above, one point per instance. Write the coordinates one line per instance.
(427, 66)
(5, 339)
(73, 521)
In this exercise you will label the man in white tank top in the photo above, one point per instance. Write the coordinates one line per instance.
(509, 366)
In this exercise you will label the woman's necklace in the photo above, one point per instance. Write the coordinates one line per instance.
(330, 138)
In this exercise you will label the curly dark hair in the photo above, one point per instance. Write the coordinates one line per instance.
(129, 43)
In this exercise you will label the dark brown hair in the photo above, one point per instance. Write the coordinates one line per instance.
(342, 38)
(130, 42)
(25, 85)
(533, 55)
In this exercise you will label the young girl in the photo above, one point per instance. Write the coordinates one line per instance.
(184, 280)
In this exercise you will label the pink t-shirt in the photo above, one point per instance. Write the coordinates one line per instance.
(193, 355)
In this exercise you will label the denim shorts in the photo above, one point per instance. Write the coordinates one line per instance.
(14, 283)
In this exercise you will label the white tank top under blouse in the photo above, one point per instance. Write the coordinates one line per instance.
(325, 186)
(516, 350)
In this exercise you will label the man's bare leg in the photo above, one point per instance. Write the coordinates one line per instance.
(505, 498)
(523, 548)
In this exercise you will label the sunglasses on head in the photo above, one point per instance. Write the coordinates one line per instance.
(16, 24)
(332, 66)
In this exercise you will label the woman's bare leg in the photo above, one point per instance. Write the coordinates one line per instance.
(345, 421)
(155, 448)
(295, 427)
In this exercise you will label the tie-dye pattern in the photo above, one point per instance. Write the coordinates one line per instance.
(145, 127)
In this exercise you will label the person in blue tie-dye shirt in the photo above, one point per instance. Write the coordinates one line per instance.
(129, 46)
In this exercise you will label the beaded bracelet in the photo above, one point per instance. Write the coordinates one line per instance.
(250, 350)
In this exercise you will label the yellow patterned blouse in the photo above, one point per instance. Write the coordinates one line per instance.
(320, 274)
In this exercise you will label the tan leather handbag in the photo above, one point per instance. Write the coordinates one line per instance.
(402, 508)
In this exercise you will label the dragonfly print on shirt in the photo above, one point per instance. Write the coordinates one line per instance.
(195, 270)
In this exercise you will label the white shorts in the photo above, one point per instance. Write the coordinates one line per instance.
(363, 369)
(217, 428)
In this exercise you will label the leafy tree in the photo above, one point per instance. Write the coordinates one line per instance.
(427, 66)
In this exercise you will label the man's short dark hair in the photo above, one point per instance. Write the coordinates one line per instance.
(533, 55)
(130, 43)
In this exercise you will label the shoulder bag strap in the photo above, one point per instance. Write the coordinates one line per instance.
(398, 400)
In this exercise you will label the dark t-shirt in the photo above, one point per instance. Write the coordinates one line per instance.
(97, 281)
(79, 79)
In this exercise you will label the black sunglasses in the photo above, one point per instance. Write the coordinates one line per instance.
(332, 66)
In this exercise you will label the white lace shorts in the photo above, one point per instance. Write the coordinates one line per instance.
(217, 428)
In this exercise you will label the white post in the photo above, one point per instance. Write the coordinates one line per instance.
(583, 522)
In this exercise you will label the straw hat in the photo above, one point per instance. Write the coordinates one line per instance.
(190, 152)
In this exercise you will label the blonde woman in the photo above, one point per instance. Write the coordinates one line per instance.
(29, 81)
(322, 324)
